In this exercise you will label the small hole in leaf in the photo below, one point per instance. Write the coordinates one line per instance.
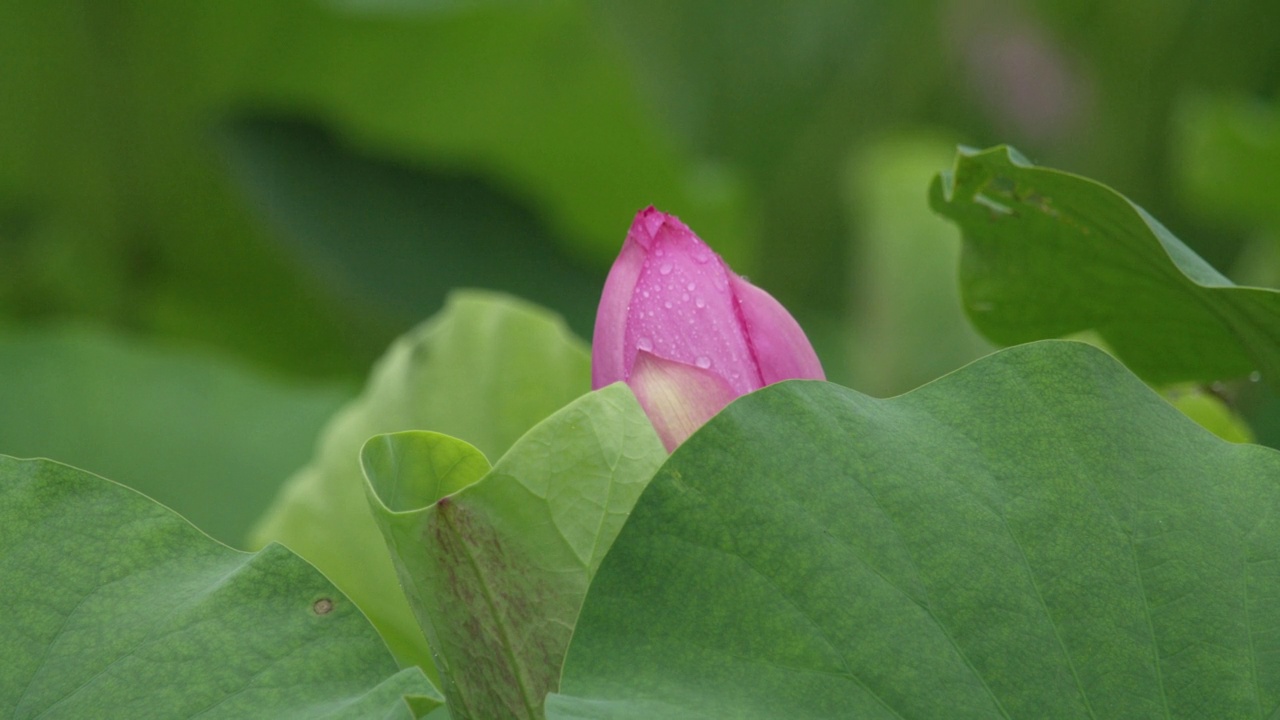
(323, 606)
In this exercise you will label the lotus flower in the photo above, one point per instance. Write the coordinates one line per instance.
(687, 334)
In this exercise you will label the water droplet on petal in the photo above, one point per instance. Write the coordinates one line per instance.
(645, 293)
(691, 287)
(645, 344)
(665, 268)
(703, 362)
(700, 302)
(667, 304)
(685, 297)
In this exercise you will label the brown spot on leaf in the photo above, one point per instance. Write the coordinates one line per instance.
(323, 606)
(504, 622)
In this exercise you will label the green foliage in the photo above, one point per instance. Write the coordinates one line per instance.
(496, 562)
(1210, 411)
(116, 607)
(209, 438)
(296, 181)
(1036, 535)
(909, 327)
(114, 204)
(1048, 253)
(485, 370)
(1228, 160)
(488, 85)
(398, 238)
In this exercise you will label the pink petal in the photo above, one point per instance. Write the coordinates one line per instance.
(682, 308)
(678, 398)
(610, 358)
(782, 351)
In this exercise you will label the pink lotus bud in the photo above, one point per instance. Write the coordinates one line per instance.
(686, 333)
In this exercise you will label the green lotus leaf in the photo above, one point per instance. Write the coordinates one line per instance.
(209, 437)
(1047, 253)
(486, 369)
(117, 607)
(496, 570)
(1037, 535)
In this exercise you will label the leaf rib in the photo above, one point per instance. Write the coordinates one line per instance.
(928, 607)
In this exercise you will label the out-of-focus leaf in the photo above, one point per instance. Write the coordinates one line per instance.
(1227, 165)
(909, 327)
(1210, 412)
(114, 205)
(1227, 157)
(1035, 535)
(208, 437)
(496, 571)
(117, 607)
(529, 94)
(779, 93)
(400, 236)
(486, 369)
(1048, 253)
(1128, 67)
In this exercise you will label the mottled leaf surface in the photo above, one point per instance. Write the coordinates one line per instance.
(486, 369)
(497, 570)
(1037, 535)
(117, 607)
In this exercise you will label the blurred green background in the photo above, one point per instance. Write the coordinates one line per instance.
(214, 216)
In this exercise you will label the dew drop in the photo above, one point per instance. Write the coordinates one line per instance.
(667, 304)
(685, 297)
(645, 293)
(665, 268)
(645, 344)
(659, 252)
(691, 287)
(1255, 376)
(703, 362)
(700, 302)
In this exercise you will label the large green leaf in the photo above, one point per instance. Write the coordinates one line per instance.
(1048, 253)
(485, 370)
(1037, 535)
(497, 570)
(210, 438)
(117, 607)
